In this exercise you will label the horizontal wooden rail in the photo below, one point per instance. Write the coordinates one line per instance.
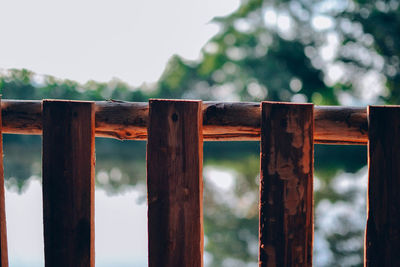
(222, 121)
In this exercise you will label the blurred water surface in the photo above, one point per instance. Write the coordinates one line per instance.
(230, 203)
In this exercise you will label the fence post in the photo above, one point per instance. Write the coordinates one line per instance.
(286, 185)
(3, 228)
(382, 242)
(68, 183)
(174, 183)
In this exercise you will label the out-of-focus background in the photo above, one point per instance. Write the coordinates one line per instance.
(328, 52)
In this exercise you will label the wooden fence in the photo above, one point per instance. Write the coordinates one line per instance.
(175, 131)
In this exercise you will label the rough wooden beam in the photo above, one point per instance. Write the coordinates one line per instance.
(382, 240)
(22, 116)
(3, 228)
(68, 183)
(286, 185)
(340, 125)
(175, 184)
(223, 121)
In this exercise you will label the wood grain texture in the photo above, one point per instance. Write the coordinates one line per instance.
(286, 185)
(382, 244)
(3, 228)
(68, 183)
(22, 116)
(223, 121)
(340, 125)
(174, 184)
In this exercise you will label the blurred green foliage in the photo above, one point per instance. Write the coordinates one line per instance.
(25, 84)
(328, 52)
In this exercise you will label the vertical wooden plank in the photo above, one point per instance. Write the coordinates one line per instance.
(68, 183)
(382, 242)
(286, 185)
(3, 228)
(174, 183)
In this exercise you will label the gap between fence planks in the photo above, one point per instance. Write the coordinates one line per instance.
(68, 183)
(175, 184)
(382, 244)
(222, 121)
(3, 228)
(286, 185)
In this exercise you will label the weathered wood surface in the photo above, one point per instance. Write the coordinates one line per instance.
(286, 185)
(68, 183)
(3, 228)
(340, 125)
(174, 184)
(223, 121)
(382, 244)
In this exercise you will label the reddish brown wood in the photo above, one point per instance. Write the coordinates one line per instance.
(3, 228)
(286, 185)
(68, 183)
(222, 121)
(382, 244)
(174, 183)
(340, 125)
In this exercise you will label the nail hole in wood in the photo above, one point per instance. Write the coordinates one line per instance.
(174, 117)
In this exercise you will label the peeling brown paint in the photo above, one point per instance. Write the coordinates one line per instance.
(286, 228)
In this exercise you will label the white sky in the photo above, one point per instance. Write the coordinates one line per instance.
(100, 39)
